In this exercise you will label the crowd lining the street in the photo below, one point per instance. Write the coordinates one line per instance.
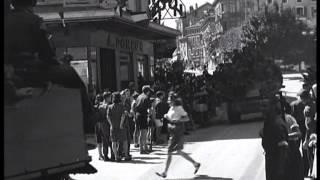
(287, 128)
(142, 117)
(289, 136)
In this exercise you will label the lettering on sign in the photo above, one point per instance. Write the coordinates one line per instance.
(124, 43)
(108, 4)
(79, 3)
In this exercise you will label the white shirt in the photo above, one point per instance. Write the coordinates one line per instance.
(175, 113)
(314, 88)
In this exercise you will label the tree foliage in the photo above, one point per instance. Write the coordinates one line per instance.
(277, 35)
(231, 40)
(267, 36)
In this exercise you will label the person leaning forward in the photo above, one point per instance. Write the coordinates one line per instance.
(29, 51)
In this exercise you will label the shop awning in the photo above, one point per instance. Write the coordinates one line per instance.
(164, 48)
(112, 22)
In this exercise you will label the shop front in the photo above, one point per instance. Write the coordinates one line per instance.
(108, 54)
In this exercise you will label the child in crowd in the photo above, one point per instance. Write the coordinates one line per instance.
(161, 108)
(136, 127)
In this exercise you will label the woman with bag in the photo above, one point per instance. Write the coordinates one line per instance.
(176, 116)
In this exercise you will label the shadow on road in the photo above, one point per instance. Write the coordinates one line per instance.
(148, 158)
(248, 130)
(165, 153)
(136, 161)
(204, 177)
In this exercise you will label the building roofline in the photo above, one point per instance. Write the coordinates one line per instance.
(107, 16)
(199, 7)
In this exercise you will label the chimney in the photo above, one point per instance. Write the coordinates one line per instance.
(191, 8)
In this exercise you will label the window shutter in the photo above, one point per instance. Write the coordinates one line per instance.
(144, 5)
(138, 5)
(132, 5)
(305, 11)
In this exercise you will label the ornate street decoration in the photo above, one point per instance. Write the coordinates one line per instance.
(166, 9)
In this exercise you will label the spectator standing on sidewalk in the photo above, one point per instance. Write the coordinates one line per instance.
(176, 117)
(312, 144)
(143, 103)
(201, 106)
(98, 125)
(97, 101)
(161, 108)
(294, 165)
(116, 118)
(151, 124)
(126, 101)
(310, 122)
(298, 107)
(102, 129)
(274, 139)
(136, 131)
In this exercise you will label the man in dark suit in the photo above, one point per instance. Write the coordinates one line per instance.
(274, 140)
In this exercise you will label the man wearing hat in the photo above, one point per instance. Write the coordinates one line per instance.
(143, 103)
(298, 107)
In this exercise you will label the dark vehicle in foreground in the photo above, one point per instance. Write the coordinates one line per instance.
(44, 136)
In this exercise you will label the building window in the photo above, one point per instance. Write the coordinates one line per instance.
(141, 60)
(80, 62)
(269, 1)
(284, 1)
(313, 12)
(299, 11)
(232, 8)
(151, 67)
(138, 6)
(299, 0)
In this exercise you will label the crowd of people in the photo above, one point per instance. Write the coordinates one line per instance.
(289, 136)
(128, 116)
(198, 92)
(144, 119)
(147, 117)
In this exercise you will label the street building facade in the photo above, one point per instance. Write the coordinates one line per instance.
(109, 48)
(214, 19)
(226, 16)
(305, 10)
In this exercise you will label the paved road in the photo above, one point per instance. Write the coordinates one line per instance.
(227, 152)
(231, 152)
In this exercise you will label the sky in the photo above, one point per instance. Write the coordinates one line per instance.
(171, 22)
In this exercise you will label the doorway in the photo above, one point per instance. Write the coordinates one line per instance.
(108, 69)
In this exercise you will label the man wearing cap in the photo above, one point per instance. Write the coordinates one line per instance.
(143, 103)
(298, 107)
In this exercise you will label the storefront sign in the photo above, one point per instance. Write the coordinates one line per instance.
(49, 2)
(109, 40)
(79, 3)
(124, 43)
(108, 4)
